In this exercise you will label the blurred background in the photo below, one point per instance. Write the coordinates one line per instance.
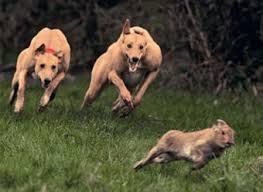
(212, 45)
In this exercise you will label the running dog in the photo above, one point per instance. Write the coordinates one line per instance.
(131, 64)
(48, 58)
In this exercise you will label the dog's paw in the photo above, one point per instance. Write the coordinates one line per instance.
(125, 111)
(41, 108)
(127, 97)
(118, 105)
(18, 108)
(18, 111)
(122, 109)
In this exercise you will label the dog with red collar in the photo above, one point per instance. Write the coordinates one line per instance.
(48, 57)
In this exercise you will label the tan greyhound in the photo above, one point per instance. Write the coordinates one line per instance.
(48, 57)
(131, 64)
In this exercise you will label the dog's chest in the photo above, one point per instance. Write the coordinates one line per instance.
(132, 79)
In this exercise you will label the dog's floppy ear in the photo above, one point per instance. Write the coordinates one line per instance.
(59, 55)
(138, 32)
(126, 27)
(41, 49)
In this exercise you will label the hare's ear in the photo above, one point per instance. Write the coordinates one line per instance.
(41, 49)
(126, 27)
(220, 122)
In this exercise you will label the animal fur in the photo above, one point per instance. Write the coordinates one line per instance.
(198, 147)
(48, 58)
(131, 64)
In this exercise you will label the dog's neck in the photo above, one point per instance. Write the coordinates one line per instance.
(50, 50)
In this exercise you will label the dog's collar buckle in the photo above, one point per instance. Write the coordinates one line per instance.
(50, 50)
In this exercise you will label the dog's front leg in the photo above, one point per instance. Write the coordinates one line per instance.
(45, 99)
(21, 91)
(144, 86)
(123, 91)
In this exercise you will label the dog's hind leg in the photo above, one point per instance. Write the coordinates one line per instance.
(14, 90)
(20, 91)
(50, 91)
(154, 152)
(92, 92)
(116, 101)
(98, 80)
(13, 93)
(117, 104)
(144, 86)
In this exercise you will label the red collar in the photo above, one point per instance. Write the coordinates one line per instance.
(50, 50)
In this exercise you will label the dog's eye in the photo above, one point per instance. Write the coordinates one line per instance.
(129, 46)
(53, 67)
(42, 66)
(223, 133)
(141, 47)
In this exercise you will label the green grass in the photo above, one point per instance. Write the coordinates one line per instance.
(64, 149)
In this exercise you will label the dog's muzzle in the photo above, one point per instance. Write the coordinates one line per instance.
(46, 83)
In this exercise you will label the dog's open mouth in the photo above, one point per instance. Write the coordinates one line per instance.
(133, 67)
(44, 86)
(133, 62)
(46, 83)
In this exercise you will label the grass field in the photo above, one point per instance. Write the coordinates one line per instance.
(64, 149)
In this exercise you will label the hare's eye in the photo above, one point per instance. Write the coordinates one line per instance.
(129, 46)
(42, 66)
(53, 67)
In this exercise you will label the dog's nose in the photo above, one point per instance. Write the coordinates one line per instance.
(135, 59)
(46, 82)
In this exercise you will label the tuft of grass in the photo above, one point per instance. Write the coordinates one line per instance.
(65, 149)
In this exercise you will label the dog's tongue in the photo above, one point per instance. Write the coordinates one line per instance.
(132, 68)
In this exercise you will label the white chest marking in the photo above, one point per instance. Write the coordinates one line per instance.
(132, 79)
